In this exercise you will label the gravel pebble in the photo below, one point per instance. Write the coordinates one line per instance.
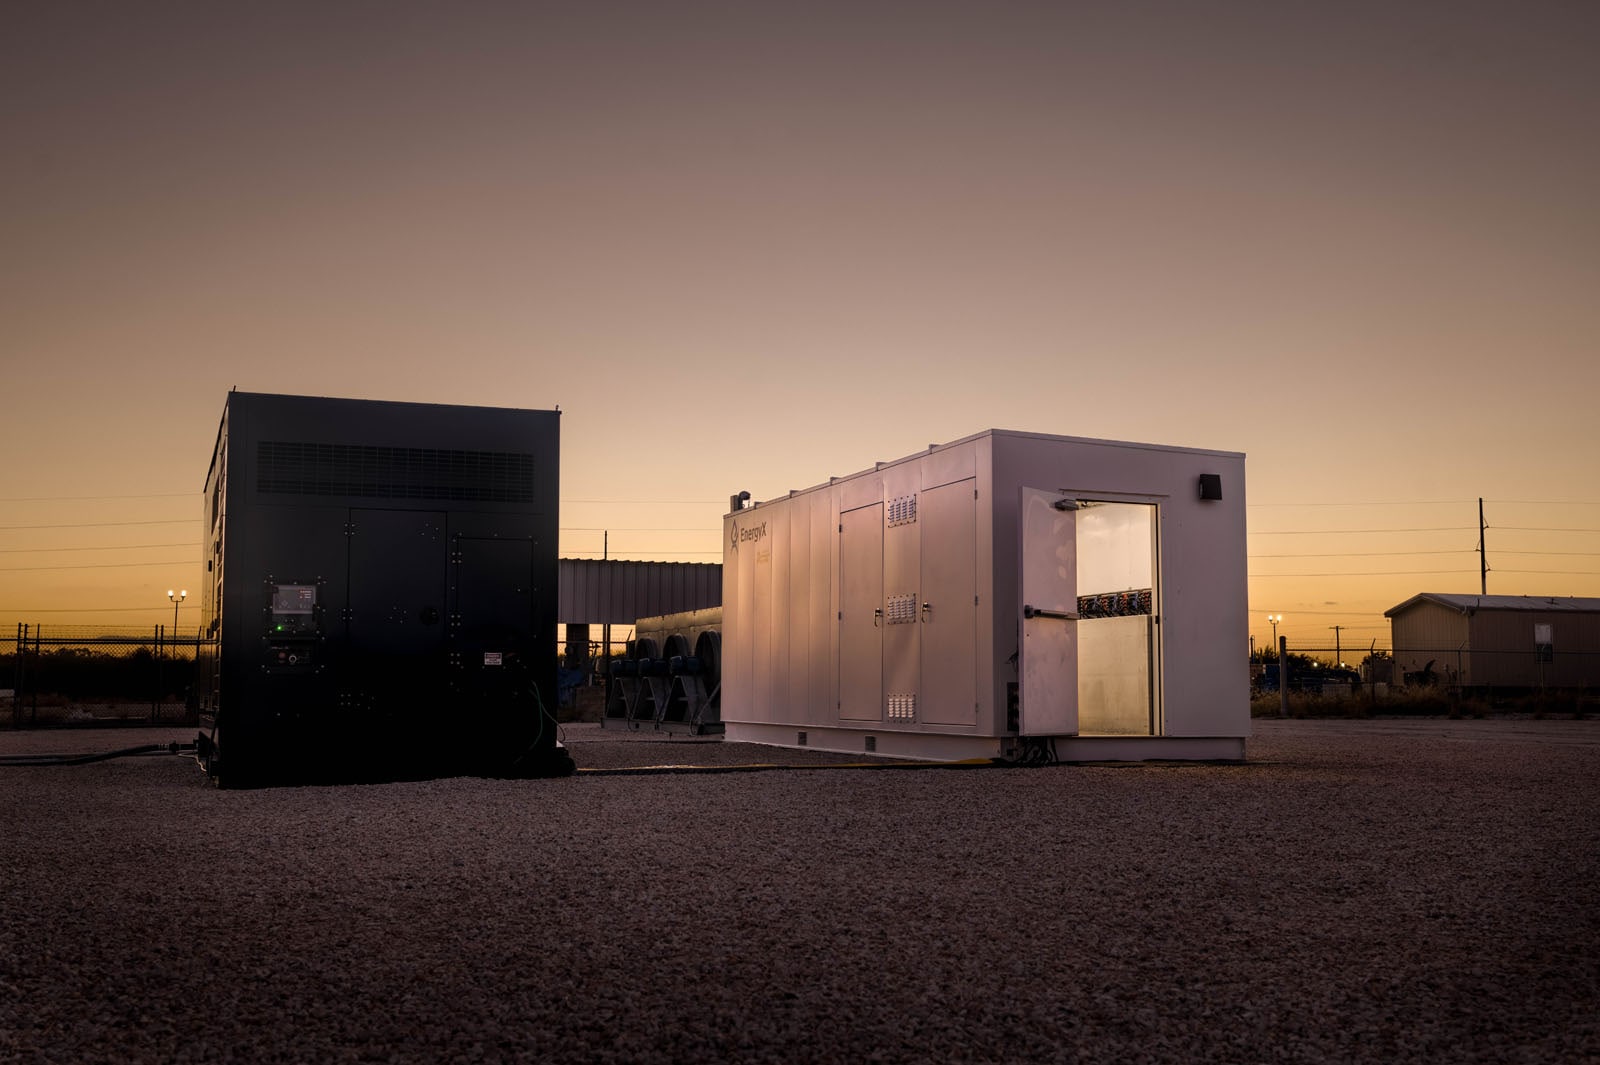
(1358, 891)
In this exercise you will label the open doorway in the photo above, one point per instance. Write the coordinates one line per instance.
(1118, 634)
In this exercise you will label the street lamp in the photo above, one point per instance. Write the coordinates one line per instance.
(176, 597)
(1274, 618)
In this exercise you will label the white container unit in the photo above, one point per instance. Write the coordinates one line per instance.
(996, 596)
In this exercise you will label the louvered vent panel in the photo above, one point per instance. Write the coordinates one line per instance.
(902, 510)
(370, 472)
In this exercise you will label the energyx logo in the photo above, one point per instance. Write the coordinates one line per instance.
(744, 534)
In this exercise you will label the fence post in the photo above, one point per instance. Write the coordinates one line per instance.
(17, 675)
(155, 696)
(1283, 676)
(33, 696)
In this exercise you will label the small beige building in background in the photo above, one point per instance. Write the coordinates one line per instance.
(1510, 641)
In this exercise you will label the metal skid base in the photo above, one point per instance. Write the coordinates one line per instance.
(945, 747)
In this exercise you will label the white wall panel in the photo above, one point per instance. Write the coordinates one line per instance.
(861, 622)
(949, 626)
(824, 613)
(797, 621)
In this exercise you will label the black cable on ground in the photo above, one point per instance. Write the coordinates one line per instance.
(763, 767)
(1041, 757)
(104, 756)
(560, 763)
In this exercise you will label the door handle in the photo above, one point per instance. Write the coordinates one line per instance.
(877, 617)
(1041, 612)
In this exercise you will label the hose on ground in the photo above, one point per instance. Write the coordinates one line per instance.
(103, 756)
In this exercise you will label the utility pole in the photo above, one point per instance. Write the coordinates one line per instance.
(1338, 655)
(1483, 559)
(605, 630)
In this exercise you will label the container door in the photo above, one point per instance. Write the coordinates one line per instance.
(861, 614)
(1048, 652)
(949, 610)
(492, 616)
(397, 574)
(502, 666)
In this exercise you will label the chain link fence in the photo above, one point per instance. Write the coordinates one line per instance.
(75, 675)
(65, 675)
(1450, 680)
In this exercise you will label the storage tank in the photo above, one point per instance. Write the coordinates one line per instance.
(1009, 594)
(382, 591)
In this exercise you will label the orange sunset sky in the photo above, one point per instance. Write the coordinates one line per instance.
(752, 245)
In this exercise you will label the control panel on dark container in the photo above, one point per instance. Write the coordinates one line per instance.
(294, 627)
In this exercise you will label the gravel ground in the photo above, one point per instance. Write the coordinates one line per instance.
(1409, 891)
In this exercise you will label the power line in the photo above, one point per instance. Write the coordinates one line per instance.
(641, 528)
(650, 550)
(95, 499)
(99, 524)
(1430, 572)
(1380, 554)
(1324, 613)
(719, 502)
(1376, 503)
(1435, 528)
(81, 610)
(191, 495)
(114, 547)
(1440, 503)
(1583, 554)
(97, 565)
(1342, 532)
(1384, 573)
(1296, 614)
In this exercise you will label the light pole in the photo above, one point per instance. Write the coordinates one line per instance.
(176, 597)
(1283, 666)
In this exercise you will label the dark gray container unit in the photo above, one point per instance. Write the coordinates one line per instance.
(382, 592)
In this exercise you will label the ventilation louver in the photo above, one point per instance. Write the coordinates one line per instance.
(371, 472)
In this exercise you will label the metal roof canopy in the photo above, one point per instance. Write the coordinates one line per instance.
(1467, 603)
(607, 591)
